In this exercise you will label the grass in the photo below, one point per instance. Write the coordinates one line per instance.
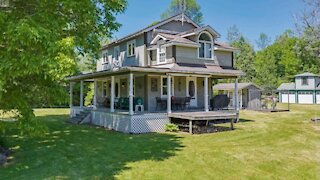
(282, 145)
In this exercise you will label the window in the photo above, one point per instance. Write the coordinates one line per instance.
(305, 81)
(205, 49)
(162, 54)
(164, 86)
(105, 58)
(116, 52)
(116, 90)
(305, 92)
(131, 48)
(104, 89)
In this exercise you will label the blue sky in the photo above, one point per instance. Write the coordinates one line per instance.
(250, 16)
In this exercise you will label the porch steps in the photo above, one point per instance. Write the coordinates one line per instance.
(80, 118)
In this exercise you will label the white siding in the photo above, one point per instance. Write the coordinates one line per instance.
(224, 58)
(310, 86)
(318, 97)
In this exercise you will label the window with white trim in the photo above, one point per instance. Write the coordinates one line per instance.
(162, 54)
(164, 86)
(116, 52)
(304, 81)
(131, 45)
(105, 58)
(206, 44)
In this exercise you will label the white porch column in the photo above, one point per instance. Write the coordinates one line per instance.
(95, 87)
(112, 95)
(81, 94)
(206, 95)
(71, 94)
(236, 99)
(130, 94)
(169, 94)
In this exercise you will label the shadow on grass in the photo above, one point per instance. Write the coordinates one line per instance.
(245, 120)
(70, 151)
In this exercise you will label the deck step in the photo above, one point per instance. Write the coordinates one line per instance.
(79, 117)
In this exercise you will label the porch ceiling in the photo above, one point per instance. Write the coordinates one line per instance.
(209, 70)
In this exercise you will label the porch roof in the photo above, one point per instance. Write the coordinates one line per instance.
(203, 70)
(230, 86)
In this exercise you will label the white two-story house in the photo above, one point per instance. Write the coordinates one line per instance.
(305, 90)
(144, 77)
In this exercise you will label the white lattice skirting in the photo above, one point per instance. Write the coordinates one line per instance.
(142, 123)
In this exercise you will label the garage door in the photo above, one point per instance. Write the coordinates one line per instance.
(305, 97)
(318, 97)
(292, 98)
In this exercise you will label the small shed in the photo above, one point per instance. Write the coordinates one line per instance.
(249, 94)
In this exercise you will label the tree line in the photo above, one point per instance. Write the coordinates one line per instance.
(292, 52)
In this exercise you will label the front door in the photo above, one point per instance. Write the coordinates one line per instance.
(191, 90)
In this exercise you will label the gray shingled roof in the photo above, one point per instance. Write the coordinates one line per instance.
(146, 29)
(177, 39)
(166, 68)
(307, 74)
(224, 45)
(231, 86)
(287, 86)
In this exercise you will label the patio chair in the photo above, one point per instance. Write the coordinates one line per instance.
(160, 103)
(186, 103)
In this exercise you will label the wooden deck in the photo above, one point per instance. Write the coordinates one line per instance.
(205, 116)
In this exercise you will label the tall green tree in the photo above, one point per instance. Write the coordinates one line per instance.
(233, 34)
(308, 26)
(278, 62)
(39, 43)
(192, 10)
(263, 41)
(244, 58)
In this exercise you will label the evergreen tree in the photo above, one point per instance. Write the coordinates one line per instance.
(192, 10)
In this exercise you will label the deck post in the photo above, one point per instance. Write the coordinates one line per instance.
(130, 94)
(95, 87)
(112, 95)
(206, 95)
(71, 94)
(236, 103)
(231, 125)
(190, 126)
(236, 99)
(81, 94)
(169, 93)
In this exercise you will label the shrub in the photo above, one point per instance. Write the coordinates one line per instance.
(171, 127)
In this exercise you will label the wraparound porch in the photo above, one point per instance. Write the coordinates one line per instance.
(143, 89)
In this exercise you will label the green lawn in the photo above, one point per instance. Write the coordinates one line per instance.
(263, 146)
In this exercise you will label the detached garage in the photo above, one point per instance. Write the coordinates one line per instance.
(304, 90)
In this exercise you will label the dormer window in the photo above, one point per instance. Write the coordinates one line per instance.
(206, 44)
(304, 81)
(131, 48)
(161, 54)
